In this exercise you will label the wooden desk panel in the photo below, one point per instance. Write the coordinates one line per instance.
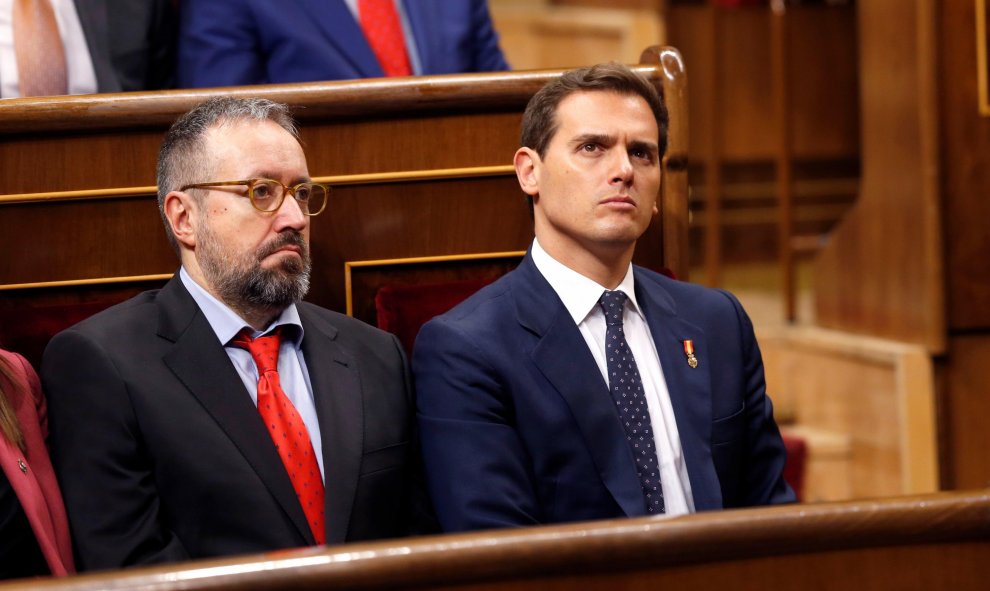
(421, 168)
(931, 542)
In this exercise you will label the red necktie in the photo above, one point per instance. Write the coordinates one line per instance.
(380, 22)
(41, 68)
(286, 428)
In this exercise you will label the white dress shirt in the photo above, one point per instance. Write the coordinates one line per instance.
(292, 373)
(81, 75)
(580, 296)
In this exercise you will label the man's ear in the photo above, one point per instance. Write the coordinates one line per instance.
(527, 163)
(180, 213)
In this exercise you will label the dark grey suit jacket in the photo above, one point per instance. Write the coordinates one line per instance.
(131, 42)
(162, 455)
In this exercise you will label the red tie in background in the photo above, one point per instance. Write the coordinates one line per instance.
(286, 428)
(38, 46)
(380, 22)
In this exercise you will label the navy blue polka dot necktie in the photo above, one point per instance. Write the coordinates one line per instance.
(627, 392)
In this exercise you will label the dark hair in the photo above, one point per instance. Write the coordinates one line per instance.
(181, 159)
(539, 122)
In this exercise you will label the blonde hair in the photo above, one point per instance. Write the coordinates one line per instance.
(10, 428)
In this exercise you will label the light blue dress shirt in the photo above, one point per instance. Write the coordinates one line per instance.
(292, 372)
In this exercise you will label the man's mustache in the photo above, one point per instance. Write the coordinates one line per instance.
(287, 238)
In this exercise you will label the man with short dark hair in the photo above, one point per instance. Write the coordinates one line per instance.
(221, 414)
(580, 386)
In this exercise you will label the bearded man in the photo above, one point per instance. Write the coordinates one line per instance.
(221, 414)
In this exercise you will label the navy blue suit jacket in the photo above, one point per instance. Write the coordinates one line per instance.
(518, 426)
(236, 42)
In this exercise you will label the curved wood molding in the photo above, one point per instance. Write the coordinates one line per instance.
(315, 100)
(674, 192)
(337, 180)
(82, 194)
(585, 549)
(87, 282)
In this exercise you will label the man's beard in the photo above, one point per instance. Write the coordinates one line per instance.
(240, 281)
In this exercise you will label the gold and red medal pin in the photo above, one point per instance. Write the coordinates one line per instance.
(689, 353)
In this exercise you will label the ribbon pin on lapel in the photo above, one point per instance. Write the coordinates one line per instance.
(692, 361)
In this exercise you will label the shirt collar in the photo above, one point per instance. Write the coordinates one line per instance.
(226, 323)
(578, 293)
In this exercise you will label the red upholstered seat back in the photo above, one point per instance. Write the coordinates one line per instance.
(403, 309)
(797, 453)
(27, 330)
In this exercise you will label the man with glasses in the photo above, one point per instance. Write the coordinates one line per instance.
(221, 414)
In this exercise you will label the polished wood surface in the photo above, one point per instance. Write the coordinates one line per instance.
(966, 153)
(865, 408)
(910, 262)
(675, 217)
(780, 60)
(881, 271)
(965, 406)
(736, 125)
(965, 182)
(936, 541)
(421, 168)
(536, 35)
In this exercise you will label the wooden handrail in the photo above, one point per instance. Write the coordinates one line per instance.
(594, 548)
(492, 91)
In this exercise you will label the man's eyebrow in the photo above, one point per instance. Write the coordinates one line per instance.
(651, 147)
(593, 138)
(274, 176)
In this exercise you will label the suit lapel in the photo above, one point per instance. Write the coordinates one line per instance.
(93, 20)
(343, 31)
(564, 359)
(340, 410)
(690, 388)
(221, 392)
(424, 22)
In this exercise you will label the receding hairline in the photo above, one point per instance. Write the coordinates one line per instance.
(216, 130)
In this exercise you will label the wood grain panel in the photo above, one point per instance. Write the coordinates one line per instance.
(540, 35)
(881, 271)
(822, 55)
(394, 144)
(442, 135)
(83, 240)
(870, 400)
(966, 180)
(415, 219)
(965, 408)
(736, 125)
